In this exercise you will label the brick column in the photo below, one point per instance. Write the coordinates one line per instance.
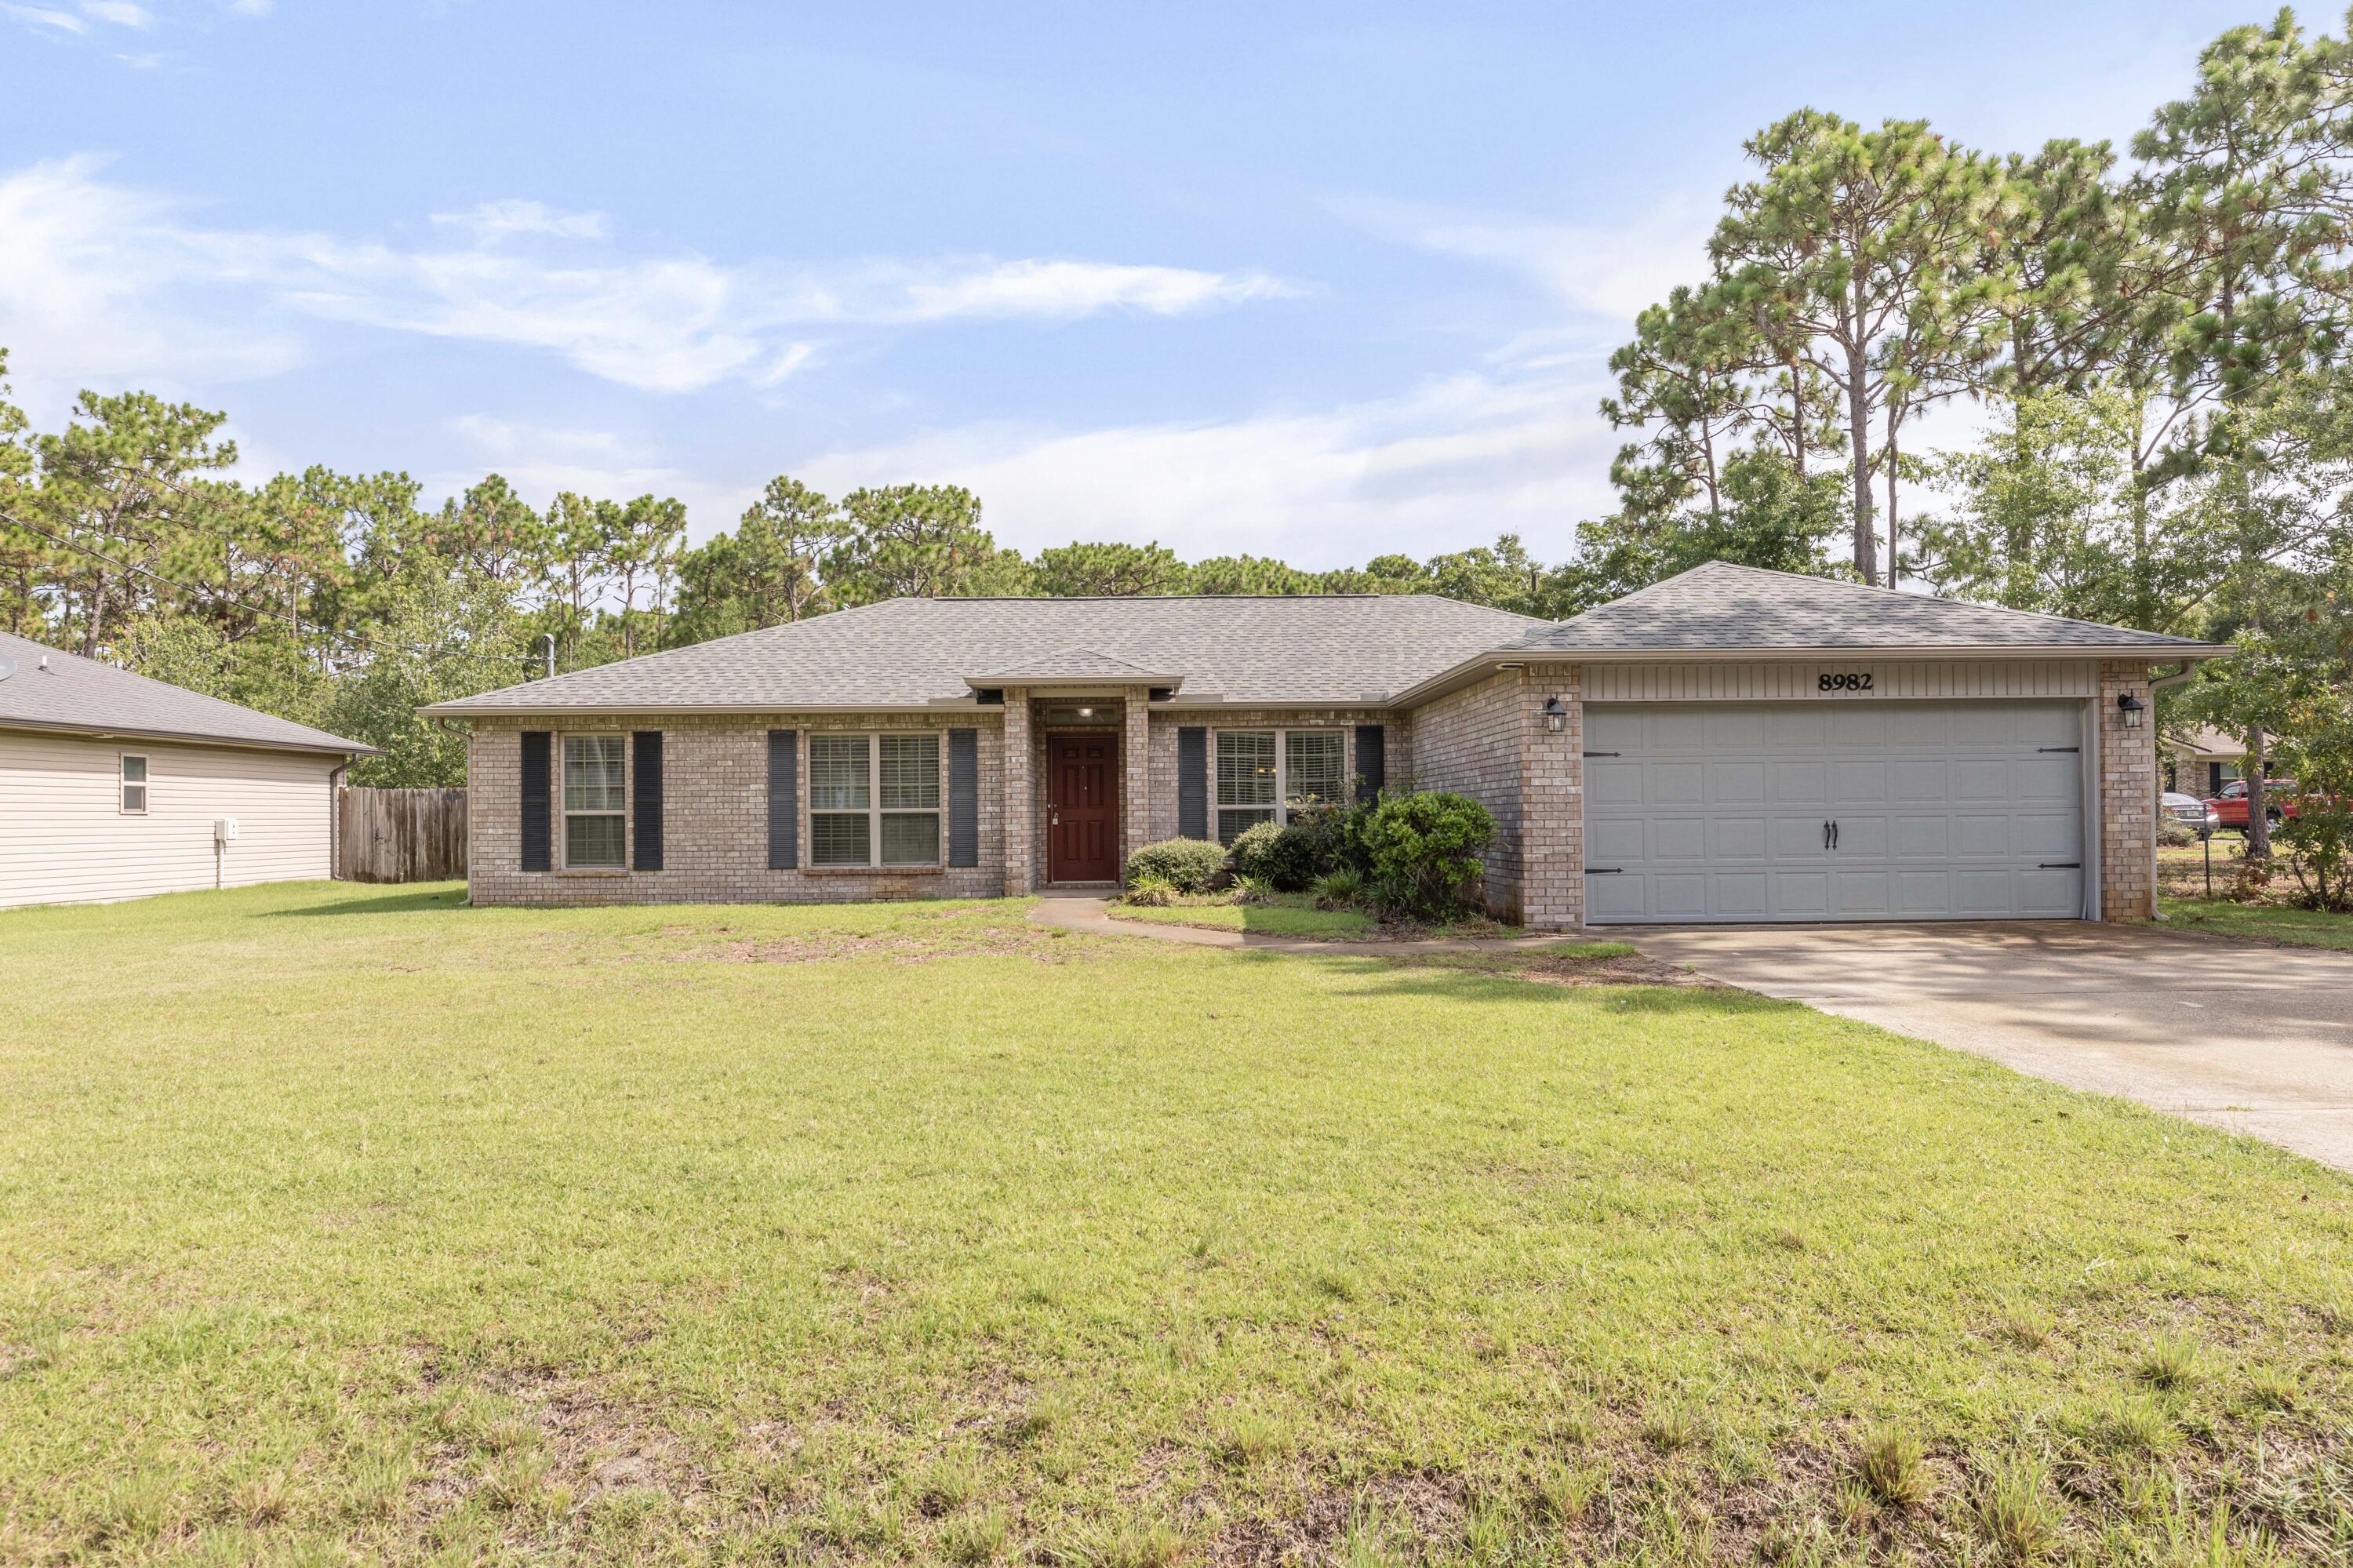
(2127, 797)
(1552, 796)
(1021, 818)
(1135, 774)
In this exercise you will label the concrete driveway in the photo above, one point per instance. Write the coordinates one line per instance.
(2256, 1039)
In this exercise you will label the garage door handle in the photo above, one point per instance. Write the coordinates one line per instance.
(2059, 865)
(1834, 835)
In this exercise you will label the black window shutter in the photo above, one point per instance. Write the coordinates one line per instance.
(646, 803)
(1193, 782)
(784, 800)
(1372, 760)
(538, 821)
(963, 796)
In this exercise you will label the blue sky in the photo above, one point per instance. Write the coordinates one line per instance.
(1315, 281)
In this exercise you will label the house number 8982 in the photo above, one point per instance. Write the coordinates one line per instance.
(1845, 681)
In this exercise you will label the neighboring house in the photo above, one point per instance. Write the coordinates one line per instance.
(1727, 745)
(114, 786)
(2200, 761)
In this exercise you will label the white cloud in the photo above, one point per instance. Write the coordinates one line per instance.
(94, 289)
(517, 272)
(1064, 289)
(495, 219)
(1453, 464)
(541, 459)
(43, 17)
(1614, 272)
(121, 12)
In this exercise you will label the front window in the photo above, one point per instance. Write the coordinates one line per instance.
(874, 799)
(1271, 775)
(1314, 769)
(134, 784)
(595, 791)
(1246, 782)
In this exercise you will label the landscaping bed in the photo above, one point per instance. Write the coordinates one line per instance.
(345, 1225)
(1298, 915)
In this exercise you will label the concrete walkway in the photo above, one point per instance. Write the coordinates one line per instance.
(2256, 1039)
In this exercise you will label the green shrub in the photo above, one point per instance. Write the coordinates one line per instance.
(1152, 891)
(1340, 888)
(1188, 865)
(1422, 851)
(2174, 833)
(1253, 853)
(1313, 843)
(1252, 889)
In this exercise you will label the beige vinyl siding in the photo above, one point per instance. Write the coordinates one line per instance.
(65, 839)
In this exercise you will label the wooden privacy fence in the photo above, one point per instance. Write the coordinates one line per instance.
(400, 835)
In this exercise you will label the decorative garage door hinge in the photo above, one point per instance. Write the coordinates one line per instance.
(1603, 754)
(2058, 748)
(2059, 865)
(1605, 870)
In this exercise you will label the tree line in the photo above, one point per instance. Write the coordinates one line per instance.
(2150, 345)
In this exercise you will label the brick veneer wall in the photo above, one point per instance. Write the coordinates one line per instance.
(715, 818)
(1552, 803)
(2127, 797)
(1473, 742)
(1017, 805)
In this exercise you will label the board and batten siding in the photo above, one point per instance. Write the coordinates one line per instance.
(1774, 682)
(65, 839)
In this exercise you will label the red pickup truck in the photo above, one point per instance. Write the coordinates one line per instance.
(2230, 808)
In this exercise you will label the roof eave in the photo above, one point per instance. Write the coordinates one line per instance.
(189, 737)
(1470, 671)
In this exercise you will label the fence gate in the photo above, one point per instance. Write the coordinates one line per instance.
(400, 835)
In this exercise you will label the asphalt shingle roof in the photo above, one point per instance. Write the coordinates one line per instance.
(1745, 610)
(83, 696)
(1338, 648)
(1071, 664)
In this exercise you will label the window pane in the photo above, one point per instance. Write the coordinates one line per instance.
(135, 771)
(837, 782)
(593, 776)
(1231, 825)
(910, 837)
(1312, 763)
(592, 840)
(134, 797)
(839, 838)
(1246, 767)
(911, 775)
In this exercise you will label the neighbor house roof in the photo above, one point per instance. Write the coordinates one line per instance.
(2207, 741)
(1341, 650)
(49, 689)
(1720, 608)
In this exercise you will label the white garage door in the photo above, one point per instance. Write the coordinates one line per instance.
(1892, 810)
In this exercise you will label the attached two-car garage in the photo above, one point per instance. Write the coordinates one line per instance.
(1839, 809)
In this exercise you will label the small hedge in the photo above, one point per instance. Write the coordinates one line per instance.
(1188, 866)
(1253, 853)
(1422, 852)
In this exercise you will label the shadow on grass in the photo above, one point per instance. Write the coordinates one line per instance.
(441, 897)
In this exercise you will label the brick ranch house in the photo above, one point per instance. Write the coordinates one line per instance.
(1727, 745)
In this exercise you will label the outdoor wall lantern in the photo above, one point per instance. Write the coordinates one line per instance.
(1556, 716)
(2130, 706)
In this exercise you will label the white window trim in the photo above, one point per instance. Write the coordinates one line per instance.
(145, 784)
(564, 814)
(1282, 733)
(875, 811)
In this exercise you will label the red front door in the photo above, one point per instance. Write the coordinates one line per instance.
(1082, 808)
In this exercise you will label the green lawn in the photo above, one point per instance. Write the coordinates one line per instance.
(350, 1224)
(2181, 881)
(1280, 915)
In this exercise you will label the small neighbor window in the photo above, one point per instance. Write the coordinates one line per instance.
(134, 784)
(596, 794)
(874, 799)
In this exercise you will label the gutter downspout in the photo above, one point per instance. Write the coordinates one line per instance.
(335, 817)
